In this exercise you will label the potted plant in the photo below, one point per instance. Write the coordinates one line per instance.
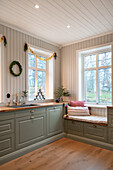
(62, 92)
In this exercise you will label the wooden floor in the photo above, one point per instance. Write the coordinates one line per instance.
(64, 154)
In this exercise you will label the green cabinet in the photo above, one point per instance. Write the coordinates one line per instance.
(21, 128)
(54, 120)
(6, 133)
(6, 144)
(96, 132)
(110, 135)
(31, 128)
(74, 127)
(110, 125)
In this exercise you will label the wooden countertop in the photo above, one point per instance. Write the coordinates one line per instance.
(109, 106)
(39, 105)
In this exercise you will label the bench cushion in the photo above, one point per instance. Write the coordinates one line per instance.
(90, 119)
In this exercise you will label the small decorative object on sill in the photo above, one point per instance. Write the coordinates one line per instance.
(58, 100)
(61, 92)
(24, 96)
(8, 97)
(5, 41)
(11, 68)
(39, 96)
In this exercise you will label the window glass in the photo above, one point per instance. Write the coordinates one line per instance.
(41, 79)
(104, 59)
(31, 60)
(105, 85)
(31, 83)
(98, 77)
(41, 64)
(90, 61)
(90, 86)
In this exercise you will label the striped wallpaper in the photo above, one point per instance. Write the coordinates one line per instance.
(69, 73)
(15, 51)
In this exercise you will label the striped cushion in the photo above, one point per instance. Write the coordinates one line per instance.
(78, 111)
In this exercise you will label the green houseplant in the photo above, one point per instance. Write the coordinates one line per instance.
(60, 92)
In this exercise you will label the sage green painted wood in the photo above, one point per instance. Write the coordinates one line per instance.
(6, 144)
(29, 131)
(110, 111)
(6, 127)
(94, 131)
(54, 120)
(74, 127)
(65, 126)
(90, 141)
(6, 115)
(29, 112)
(110, 120)
(110, 135)
(29, 148)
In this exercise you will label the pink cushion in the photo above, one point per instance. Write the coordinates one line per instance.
(77, 103)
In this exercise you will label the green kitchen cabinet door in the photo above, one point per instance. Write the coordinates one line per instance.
(30, 129)
(54, 120)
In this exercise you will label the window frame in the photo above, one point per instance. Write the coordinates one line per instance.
(80, 69)
(97, 68)
(47, 54)
(38, 69)
(2, 73)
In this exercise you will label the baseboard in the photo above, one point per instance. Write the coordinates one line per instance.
(90, 141)
(30, 148)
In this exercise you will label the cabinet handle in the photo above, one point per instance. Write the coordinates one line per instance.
(54, 108)
(31, 117)
(94, 126)
(32, 111)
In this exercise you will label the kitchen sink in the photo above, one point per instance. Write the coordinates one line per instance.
(24, 105)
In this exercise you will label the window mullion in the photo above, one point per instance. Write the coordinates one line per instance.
(97, 81)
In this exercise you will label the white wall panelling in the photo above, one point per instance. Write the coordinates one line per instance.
(15, 51)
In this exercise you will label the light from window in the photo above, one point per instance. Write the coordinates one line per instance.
(97, 75)
(40, 76)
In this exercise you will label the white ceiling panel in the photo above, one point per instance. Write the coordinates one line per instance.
(87, 18)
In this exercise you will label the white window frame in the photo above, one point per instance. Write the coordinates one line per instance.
(81, 70)
(2, 73)
(49, 86)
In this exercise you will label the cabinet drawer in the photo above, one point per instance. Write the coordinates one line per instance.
(110, 120)
(6, 115)
(95, 132)
(75, 127)
(6, 144)
(30, 129)
(29, 112)
(110, 135)
(6, 127)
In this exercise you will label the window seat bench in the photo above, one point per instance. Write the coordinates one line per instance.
(101, 120)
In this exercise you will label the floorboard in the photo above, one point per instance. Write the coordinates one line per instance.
(64, 154)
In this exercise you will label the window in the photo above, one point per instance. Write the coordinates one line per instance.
(40, 75)
(96, 75)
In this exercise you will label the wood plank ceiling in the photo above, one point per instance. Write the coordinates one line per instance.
(86, 18)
